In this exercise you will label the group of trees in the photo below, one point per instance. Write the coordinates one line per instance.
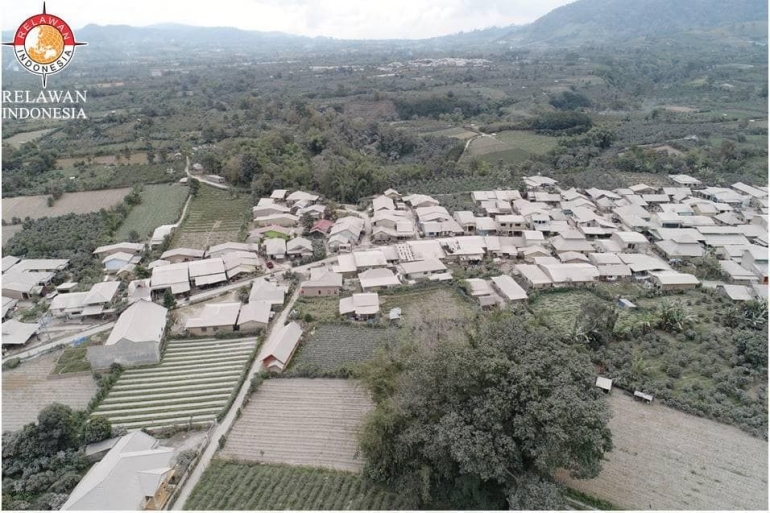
(486, 422)
(44, 461)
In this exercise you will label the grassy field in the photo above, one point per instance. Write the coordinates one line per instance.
(298, 421)
(510, 146)
(213, 217)
(36, 207)
(27, 390)
(192, 384)
(332, 346)
(667, 460)
(161, 204)
(456, 133)
(230, 485)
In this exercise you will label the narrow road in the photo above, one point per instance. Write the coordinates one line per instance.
(227, 422)
(25, 355)
(209, 294)
(201, 179)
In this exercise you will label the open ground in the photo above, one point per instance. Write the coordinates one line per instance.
(70, 203)
(667, 460)
(309, 422)
(26, 391)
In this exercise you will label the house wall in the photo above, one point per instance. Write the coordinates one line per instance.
(15, 294)
(209, 330)
(675, 286)
(319, 291)
(252, 326)
(125, 353)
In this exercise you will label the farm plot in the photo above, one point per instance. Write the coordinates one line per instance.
(25, 137)
(332, 346)
(668, 460)
(511, 146)
(455, 133)
(36, 207)
(230, 485)
(191, 385)
(161, 204)
(426, 311)
(213, 217)
(308, 422)
(26, 391)
(9, 231)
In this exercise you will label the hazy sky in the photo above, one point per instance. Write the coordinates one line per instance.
(345, 19)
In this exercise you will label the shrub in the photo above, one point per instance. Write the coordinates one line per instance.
(11, 363)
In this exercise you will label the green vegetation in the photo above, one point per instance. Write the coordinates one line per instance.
(72, 236)
(453, 430)
(43, 462)
(333, 348)
(697, 352)
(230, 485)
(160, 204)
(72, 359)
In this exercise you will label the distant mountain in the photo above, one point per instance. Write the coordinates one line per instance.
(606, 21)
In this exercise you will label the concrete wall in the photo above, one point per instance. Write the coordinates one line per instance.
(125, 352)
(210, 331)
(319, 291)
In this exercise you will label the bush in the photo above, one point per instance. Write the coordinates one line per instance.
(11, 363)
(674, 371)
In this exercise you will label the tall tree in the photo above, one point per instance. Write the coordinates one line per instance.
(487, 422)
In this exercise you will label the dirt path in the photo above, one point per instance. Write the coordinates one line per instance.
(223, 427)
(668, 460)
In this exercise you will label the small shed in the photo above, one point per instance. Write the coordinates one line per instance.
(625, 303)
(604, 383)
(641, 396)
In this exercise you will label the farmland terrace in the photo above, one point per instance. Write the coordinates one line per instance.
(36, 207)
(191, 385)
(214, 217)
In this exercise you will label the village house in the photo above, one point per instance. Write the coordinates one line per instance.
(132, 248)
(275, 248)
(254, 316)
(16, 333)
(85, 304)
(177, 255)
(533, 276)
(510, 224)
(755, 260)
(279, 349)
(299, 247)
(680, 248)
(360, 306)
(672, 280)
(421, 269)
(382, 203)
(377, 279)
(207, 272)
(214, 318)
(267, 291)
(322, 282)
(285, 220)
(508, 288)
(135, 339)
(114, 262)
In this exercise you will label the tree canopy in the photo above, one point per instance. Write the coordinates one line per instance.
(484, 423)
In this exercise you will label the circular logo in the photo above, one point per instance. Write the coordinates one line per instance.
(44, 44)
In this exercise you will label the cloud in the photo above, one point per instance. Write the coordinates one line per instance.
(343, 19)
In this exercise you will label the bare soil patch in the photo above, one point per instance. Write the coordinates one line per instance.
(36, 207)
(667, 460)
(309, 422)
(26, 391)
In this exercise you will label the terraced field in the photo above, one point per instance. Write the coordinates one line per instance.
(230, 485)
(213, 217)
(307, 422)
(192, 384)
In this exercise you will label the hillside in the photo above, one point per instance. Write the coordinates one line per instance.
(619, 20)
